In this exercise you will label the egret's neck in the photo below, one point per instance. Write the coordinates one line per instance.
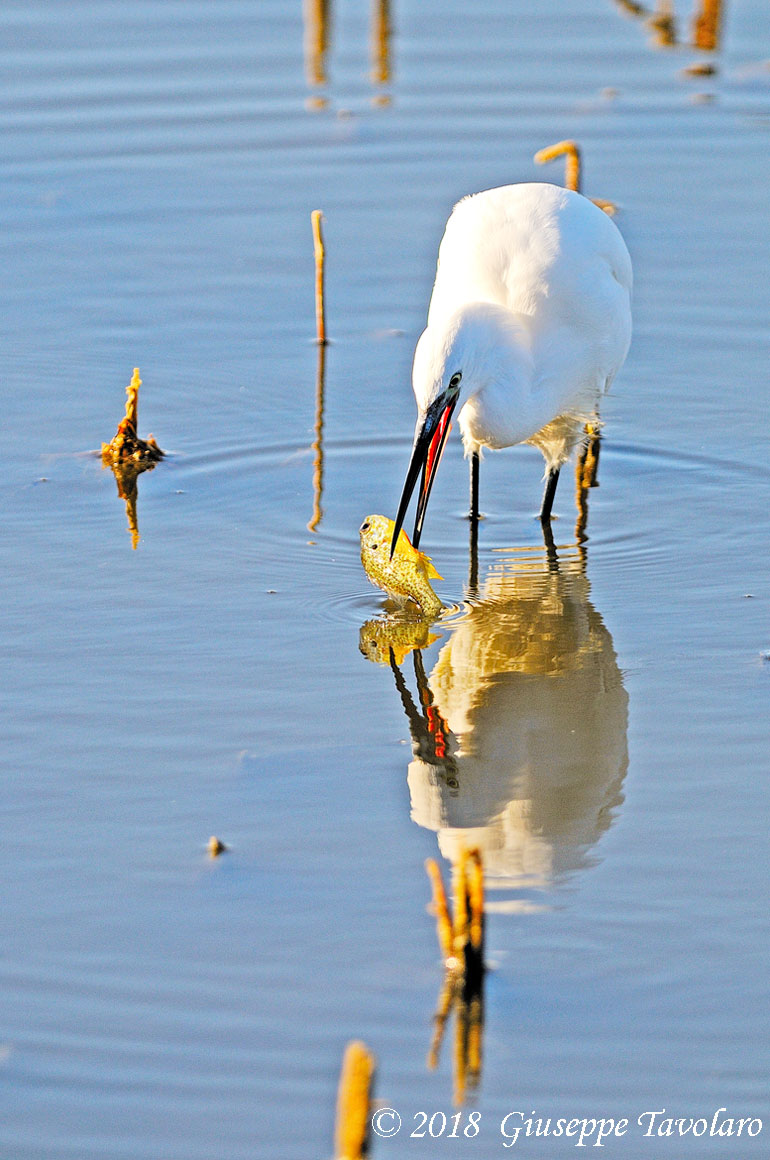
(492, 346)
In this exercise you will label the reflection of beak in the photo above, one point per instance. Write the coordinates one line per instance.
(426, 455)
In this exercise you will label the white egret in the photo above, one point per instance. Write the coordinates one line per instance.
(529, 322)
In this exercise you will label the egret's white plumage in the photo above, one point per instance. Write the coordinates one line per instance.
(529, 322)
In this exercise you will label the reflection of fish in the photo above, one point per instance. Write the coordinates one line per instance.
(399, 635)
(405, 576)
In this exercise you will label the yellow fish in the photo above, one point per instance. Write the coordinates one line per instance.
(407, 575)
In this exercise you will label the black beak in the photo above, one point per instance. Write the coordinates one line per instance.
(426, 455)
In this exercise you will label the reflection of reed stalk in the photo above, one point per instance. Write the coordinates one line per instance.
(316, 39)
(706, 23)
(354, 1098)
(318, 447)
(663, 24)
(381, 29)
(318, 249)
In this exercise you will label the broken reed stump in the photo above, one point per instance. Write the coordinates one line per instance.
(126, 446)
(461, 940)
(460, 935)
(572, 169)
(316, 218)
(354, 1102)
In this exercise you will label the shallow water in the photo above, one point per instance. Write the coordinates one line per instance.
(604, 718)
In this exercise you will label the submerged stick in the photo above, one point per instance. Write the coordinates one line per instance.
(318, 249)
(354, 1095)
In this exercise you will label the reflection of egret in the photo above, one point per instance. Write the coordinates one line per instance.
(519, 740)
(529, 322)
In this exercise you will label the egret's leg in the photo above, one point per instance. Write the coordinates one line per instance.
(473, 562)
(474, 512)
(473, 516)
(548, 495)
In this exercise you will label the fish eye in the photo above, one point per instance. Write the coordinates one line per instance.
(364, 526)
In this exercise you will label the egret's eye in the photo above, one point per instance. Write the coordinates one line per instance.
(454, 382)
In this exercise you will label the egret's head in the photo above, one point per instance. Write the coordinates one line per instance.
(454, 359)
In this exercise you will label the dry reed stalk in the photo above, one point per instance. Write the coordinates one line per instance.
(440, 908)
(319, 252)
(354, 1094)
(461, 938)
(571, 165)
(572, 170)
